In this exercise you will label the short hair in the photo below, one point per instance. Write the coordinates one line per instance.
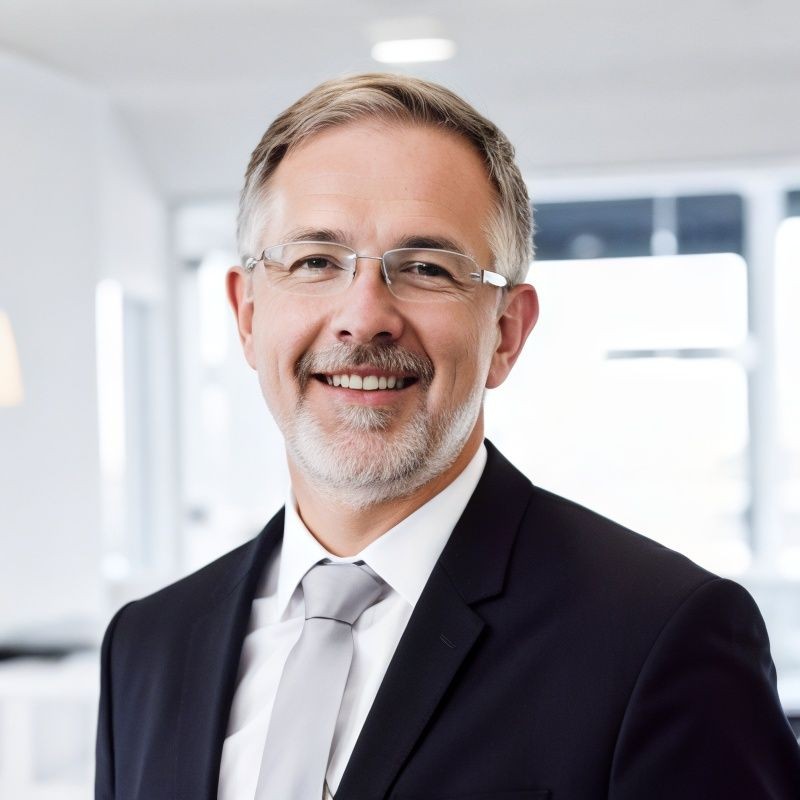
(396, 98)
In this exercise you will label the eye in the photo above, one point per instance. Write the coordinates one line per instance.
(314, 264)
(426, 269)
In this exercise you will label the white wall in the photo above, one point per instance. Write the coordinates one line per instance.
(70, 189)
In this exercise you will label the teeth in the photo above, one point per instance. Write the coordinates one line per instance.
(368, 383)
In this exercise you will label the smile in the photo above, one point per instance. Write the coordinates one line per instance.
(367, 383)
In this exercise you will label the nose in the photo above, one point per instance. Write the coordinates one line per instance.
(367, 312)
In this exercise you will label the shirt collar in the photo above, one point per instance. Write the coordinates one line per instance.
(404, 556)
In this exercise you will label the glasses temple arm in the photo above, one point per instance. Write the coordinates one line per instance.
(492, 278)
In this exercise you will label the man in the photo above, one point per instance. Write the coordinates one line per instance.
(420, 621)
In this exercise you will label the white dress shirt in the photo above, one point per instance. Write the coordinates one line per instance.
(403, 557)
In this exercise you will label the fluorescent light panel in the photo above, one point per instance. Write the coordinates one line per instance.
(409, 51)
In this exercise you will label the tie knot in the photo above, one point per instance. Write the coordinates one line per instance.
(339, 591)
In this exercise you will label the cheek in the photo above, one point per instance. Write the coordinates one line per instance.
(479, 336)
(463, 351)
(284, 332)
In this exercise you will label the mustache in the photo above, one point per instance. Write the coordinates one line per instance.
(384, 357)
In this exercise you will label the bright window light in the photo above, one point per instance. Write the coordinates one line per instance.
(215, 321)
(110, 342)
(787, 296)
(408, 51)
(787, 335)
(627, 434)
(110, 376)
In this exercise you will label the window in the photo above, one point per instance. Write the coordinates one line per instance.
(636, 373)
(637, 398)
(639, 227)
(787, 337)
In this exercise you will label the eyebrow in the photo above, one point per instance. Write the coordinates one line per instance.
(333, 235)
(432, 243)
(338, 236)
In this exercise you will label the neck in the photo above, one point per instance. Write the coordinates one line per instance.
(346, 531)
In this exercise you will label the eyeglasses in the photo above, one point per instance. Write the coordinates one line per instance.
(411, 273)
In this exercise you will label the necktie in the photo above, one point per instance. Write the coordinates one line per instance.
(298, 743)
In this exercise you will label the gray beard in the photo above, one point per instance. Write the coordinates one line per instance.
(360, 464)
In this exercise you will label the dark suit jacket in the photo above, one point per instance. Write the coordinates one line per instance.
(552, 654)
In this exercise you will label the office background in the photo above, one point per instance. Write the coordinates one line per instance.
(661, 145)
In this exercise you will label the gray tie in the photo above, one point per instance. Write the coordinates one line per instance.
(311, 687)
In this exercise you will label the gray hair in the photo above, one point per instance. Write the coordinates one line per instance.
(396, 98)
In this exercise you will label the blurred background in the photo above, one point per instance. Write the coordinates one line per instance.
(661, 144)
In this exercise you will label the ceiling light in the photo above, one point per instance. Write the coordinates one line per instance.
(408, 51)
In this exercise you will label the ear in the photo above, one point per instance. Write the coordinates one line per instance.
(239, 285)
(514, 323)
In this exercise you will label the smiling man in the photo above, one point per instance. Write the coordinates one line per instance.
(320, 308)
(420, 621)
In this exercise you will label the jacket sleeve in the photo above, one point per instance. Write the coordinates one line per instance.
(704, 720)
(104, 748)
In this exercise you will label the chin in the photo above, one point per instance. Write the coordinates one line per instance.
(366, 460)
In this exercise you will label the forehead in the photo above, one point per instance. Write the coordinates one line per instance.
(381, 182)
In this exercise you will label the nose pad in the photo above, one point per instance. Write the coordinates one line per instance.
(384, 272)
(374, 258)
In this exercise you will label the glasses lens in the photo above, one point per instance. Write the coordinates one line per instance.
(310, 267)
(427, 275)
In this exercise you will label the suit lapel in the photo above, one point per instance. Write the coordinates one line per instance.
(211, 667)
(442, 631)
(438, 638)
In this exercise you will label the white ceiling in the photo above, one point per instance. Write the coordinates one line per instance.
(577, 84)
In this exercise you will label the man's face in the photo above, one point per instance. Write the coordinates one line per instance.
(374, 187)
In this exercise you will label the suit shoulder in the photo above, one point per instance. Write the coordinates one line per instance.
(175, 605)
(598, 552)
(192, 594)
(204, 580)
